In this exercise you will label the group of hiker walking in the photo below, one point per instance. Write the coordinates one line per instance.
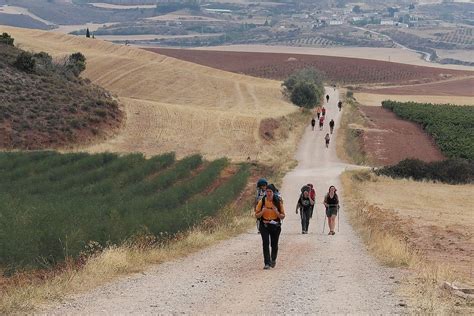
(321, 116)
(270, 212)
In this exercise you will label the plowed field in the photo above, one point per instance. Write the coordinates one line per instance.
(338, 69)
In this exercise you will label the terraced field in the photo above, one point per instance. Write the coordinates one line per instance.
(172, 105)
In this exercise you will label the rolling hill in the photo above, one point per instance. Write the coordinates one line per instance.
(42, 105)
(172, 105)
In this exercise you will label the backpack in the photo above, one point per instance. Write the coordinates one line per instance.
(305, 188)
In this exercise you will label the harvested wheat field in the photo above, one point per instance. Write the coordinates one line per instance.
(339, 69)
(438, 219)
(172, 105)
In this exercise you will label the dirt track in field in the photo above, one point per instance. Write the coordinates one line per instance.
(315, 273)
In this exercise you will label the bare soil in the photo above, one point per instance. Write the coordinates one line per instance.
(389, 139)
(338, 69)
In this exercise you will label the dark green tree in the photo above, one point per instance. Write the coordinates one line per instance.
(305, 94)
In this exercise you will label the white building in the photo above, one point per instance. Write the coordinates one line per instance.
(387, 22)
(336, 22)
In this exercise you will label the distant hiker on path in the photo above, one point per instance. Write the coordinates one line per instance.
(323, 111)
(305, 204)
(321, 123)
(331, 125)
(327, 98)
(318, 111)
(327, 139)
(331, 201)
(270, 212)
(313, 123)
(339, 105)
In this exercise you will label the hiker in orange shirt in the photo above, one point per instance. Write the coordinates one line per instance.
(270, 212)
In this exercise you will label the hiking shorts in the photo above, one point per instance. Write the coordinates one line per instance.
(330, 211)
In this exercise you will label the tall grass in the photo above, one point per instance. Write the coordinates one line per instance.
(49, 215)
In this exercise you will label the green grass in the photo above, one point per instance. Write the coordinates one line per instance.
(53, 205)
(451, 126)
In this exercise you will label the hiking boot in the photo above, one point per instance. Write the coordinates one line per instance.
(273, 264)
(266, 267)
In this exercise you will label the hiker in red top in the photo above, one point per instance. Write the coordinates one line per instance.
(321, 123)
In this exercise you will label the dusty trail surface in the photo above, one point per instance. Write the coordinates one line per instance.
(315, 273)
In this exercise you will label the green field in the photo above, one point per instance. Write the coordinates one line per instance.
(451, 126)
(52, 205)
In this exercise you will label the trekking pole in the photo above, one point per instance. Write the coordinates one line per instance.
(338, 211)
(324, 223)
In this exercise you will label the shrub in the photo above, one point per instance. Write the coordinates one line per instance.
(5, 38)
(25, 62)
(76, 63)
(452, 171)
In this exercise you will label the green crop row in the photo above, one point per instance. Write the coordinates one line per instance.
(46, 217)
(451, 126)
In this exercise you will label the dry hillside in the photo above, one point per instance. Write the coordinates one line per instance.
(172, 104)
(45, 106)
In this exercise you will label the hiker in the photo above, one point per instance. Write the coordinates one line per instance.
(323, 111)
(321, 123)
(261, 188)
(312, 195)
(331, 125)
(331, 201)
(339, 105)
(270, 212)
(305, 202)
(327, 139)
(318, 111)
(313, 123)
(327, 98)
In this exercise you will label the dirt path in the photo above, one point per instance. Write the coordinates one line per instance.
(315, 273)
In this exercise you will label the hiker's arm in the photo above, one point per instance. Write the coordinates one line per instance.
(311, 201)
(281, 213)
(297, 206)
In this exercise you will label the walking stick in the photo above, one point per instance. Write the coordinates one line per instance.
(324, 223)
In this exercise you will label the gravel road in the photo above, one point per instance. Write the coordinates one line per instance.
(315, 273)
